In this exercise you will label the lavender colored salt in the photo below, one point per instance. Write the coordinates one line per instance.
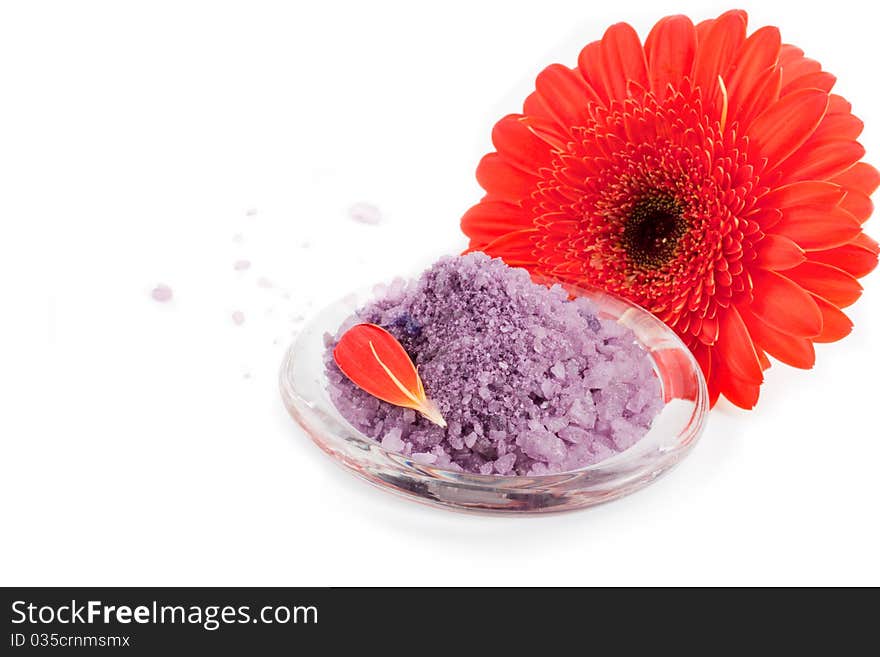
(528, 381)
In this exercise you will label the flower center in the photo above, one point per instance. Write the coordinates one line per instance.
(652, 231)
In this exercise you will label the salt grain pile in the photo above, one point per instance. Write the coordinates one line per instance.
(528, 381)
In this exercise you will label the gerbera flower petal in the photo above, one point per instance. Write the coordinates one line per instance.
(784, 305)
(781, 129)
(854, 258)
(669, 50)
(623, 60)
(487, 221)
(835, 324)
(823, 160)
(519, 146)
(816, 227)
(826, 281)
(837, 126)
(515, 248)
(816, 80)
(804, 193)
(861, 176)
(758, 54)
(503, 181)
(859, 205)
(791, 350)
(736, 344)
(708, 176)
(778, 253)
(716, 49)
(562, 92)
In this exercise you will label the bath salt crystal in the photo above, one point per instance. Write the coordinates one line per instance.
(241, 265)
(237, 318)
(425, 458)
(528, 381)
(250, 212)
(365, 213)
(391, 441)
(162, 293)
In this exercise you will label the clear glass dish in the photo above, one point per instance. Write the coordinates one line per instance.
(673, 433)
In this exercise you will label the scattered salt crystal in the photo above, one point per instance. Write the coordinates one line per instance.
(161, 293)
(365, 213)
(238, 238)
(250, 212)
(238, 318)
(264, 282)
(241, 265)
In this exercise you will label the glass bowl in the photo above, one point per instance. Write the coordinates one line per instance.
(673, 433)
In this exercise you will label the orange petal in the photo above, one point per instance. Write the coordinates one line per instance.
(489, 220)
(861, 176)
(791, 350)
(784, 305)
(758, 53)
(838, 126)
(781, 129)
(807, 192)
(564, 95)
(740, 393)
(824, 160)
(736, 349)
(826, 281)
(591, 66)
(795, 66)
(378, 364)
(515, 248)
(669, 50)
(623, 60)
(813, 227)
(853, 258)
(815, 80)
(519, 146)
(716, 48)
(858, 205)
(836, 324)
(778, 253)
(502, 181)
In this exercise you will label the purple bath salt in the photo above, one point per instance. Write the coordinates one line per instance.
(528, 381)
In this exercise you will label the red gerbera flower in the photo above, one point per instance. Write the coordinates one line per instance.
(710, 177)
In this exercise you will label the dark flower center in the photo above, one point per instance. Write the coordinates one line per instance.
(652, 231)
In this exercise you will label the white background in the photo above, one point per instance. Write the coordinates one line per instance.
(146, 444)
